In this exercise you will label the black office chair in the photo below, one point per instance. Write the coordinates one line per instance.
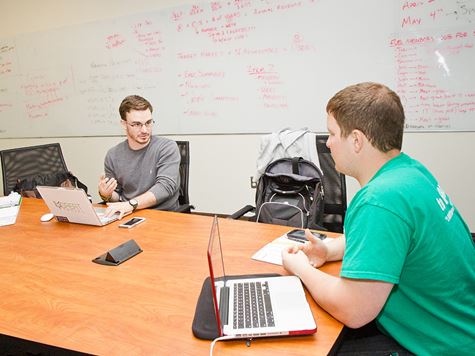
(334, 188)
(26, 162)
(183, 198)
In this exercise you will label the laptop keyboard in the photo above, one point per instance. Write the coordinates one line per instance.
(252, 305)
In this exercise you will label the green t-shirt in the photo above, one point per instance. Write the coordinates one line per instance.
(403, 229)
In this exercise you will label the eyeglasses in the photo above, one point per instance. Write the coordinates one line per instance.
(138, 125)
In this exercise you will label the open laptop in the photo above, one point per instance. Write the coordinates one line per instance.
(280, 307)
(73, 205)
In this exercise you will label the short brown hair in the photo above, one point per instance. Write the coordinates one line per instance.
(133, 102)
(373, 109)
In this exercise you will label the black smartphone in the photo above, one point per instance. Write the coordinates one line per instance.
(132, 222)
(299, 235)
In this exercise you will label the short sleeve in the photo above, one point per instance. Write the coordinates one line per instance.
(377, 243)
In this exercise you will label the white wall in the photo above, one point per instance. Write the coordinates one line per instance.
(220, 164)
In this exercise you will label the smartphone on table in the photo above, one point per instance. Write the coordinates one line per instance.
(132, 222)
(298, 235)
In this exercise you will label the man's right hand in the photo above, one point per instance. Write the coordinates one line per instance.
(315, 249)
(106, 186)
(122, 207)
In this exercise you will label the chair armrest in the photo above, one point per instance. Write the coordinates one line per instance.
(185, 208)
(240, 213)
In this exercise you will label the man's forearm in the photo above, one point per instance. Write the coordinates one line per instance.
(146, 200)
(322, 287)
(354, 302)
(337, 296)
(336, 248)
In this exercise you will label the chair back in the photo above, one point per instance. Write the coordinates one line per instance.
(184, 147)
(29, 161)
(334, 187)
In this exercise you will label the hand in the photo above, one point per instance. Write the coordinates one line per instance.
(315, 249)
(106, 186)
(121, 207)
(294, 260)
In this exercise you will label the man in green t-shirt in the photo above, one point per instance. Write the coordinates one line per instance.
(408, 257)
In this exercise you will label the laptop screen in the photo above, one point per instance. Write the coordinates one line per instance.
(282, 308)
(216, 267)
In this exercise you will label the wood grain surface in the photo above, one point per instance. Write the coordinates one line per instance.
(51, 292)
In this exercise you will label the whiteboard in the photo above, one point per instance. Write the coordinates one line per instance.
(241, 66)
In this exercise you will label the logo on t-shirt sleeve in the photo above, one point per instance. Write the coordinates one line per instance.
(445, 204)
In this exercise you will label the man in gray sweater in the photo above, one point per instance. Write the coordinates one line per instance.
(142, 171)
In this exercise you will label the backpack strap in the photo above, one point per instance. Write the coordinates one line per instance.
(81, 185)
(295, 164)
(77, 183)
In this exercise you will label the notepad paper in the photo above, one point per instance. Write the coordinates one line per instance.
(9, 208)
(272, 252)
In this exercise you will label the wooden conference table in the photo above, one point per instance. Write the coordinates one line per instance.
(51, 292)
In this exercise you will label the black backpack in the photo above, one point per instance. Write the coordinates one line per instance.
(290, 192)
(26, 187)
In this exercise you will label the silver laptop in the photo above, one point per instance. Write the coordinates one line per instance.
(73, 205)
(256, 307)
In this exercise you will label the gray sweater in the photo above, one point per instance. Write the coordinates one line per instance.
(154, 168)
